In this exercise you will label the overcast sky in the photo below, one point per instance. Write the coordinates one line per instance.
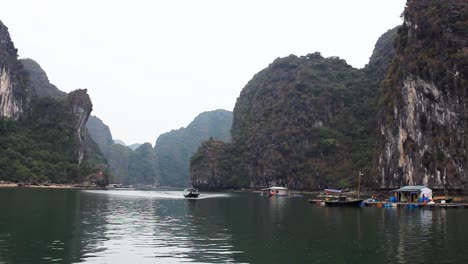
(153, 66)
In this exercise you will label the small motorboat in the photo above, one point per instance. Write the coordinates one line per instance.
(191, 193)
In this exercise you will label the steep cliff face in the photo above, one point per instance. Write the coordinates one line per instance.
(174, 149)
(14, 94)
(423, 128)
(80, 106)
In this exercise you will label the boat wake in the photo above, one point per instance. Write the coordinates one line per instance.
(154, 194)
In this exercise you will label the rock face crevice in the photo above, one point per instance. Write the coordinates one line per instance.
(423, 127)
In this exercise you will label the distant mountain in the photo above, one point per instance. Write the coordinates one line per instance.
(100, 133)
(118, 141)
(174, 149)
(142, 167)
(126, 165)
(39, 80)
(118, 158)
(135, 146)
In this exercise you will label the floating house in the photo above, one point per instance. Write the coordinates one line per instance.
(276, 191)
(412, 194)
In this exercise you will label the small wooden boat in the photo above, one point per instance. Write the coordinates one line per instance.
(444, 200)
(343, 201)
(191, 193)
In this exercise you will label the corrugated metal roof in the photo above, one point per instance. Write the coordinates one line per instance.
(276, 188)
(411, 188)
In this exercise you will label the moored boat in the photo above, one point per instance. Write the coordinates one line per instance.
(344, 201)
(443, 200)
(191, 193)
(330, 194)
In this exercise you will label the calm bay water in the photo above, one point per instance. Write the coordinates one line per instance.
(72, 226)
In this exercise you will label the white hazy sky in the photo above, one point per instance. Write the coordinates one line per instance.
(153, 66)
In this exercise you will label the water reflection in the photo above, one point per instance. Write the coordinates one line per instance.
(409, 233)
(31, 230)
(159, 228)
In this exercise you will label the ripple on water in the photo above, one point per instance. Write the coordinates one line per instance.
(152, 224)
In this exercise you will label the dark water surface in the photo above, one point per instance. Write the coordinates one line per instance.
(72, 226)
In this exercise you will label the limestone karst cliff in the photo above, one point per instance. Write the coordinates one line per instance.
(77, 103)
(43, 133)
(14, 94)
(80, 106)
(423, 128)
(310, 122)
(303, 122)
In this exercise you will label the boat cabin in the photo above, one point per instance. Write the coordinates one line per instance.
(333, 191)
(412, 194)
(276, 191)
(191, 193)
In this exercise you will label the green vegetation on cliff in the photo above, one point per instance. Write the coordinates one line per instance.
(43, 145)
(303, 122)
(216, 165)
(306, 122)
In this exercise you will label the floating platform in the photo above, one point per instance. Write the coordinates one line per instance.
(416, 205)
